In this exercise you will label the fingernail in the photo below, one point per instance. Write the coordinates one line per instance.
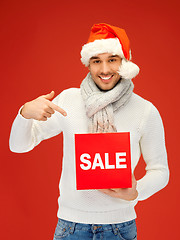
(64, 113)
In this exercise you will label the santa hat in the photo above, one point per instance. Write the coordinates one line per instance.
(105, 38)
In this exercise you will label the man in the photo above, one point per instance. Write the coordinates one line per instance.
(104, 103)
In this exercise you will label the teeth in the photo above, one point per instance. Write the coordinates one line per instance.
(106, 78)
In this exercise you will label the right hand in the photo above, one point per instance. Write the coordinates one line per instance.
(41, 108)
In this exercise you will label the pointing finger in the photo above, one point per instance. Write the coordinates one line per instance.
(58, 109)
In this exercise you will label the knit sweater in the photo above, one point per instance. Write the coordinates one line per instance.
(138, 116)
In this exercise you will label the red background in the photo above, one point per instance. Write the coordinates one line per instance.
(40, 51)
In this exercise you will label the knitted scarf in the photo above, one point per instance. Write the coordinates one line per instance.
(100, 105)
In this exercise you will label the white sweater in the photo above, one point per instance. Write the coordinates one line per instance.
(139, 117)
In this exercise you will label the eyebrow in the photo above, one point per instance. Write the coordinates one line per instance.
(92, 58)
(113, 56)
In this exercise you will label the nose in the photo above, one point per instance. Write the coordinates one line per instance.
(105, 68)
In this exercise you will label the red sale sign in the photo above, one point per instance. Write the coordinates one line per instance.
(103, 160)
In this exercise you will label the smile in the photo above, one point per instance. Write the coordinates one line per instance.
(105, 79)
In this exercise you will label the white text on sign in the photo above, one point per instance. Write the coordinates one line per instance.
(97, 162)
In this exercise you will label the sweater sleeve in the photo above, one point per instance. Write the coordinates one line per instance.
(153, 149)
(28, 133)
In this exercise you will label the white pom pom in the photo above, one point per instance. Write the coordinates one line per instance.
(128, 70)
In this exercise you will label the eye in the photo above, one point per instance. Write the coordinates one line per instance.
(96, 61)
(112, 60)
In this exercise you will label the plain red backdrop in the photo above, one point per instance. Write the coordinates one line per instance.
(40, 51)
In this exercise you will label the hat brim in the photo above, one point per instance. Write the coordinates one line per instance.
(91, 49)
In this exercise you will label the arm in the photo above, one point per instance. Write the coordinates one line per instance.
(153, 149)
(37, 120)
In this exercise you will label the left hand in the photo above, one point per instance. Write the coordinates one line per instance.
(123, 193)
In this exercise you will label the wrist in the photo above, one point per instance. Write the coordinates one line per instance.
(23, 112)
(135, 195)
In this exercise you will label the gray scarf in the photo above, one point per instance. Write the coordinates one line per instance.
(100, 105)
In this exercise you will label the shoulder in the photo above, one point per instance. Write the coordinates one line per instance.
(150, 117)
(144, 110)
(142, 103)
(70, 93)
(140, 100)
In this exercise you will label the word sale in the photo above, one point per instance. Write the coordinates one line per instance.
(88, 163)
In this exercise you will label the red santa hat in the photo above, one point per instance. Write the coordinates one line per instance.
(105, 38)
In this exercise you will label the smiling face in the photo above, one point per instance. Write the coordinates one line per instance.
(103, 69)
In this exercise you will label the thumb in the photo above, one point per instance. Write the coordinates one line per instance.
(49, 96)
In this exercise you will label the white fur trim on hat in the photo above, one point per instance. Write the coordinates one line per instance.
(91, 49)
(128, 70)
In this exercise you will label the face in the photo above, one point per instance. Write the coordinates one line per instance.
(103, 69)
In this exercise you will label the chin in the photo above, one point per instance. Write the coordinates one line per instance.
(105, 88)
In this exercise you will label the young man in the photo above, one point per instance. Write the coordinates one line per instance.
(104, 103)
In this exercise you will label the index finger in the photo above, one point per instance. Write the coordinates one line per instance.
(57, 108)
